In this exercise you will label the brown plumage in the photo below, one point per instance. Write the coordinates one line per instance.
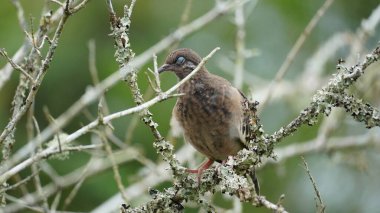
(210, 113)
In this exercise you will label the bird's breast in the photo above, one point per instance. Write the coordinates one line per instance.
(207, 116)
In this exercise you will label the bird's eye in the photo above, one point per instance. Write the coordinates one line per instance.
(180, 60)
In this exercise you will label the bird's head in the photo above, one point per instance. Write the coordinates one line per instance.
(181, 62)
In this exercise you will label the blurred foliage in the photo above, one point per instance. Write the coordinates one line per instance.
(272, 27)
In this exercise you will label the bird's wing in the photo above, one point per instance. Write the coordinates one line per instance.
(247, 119)
(239, 127)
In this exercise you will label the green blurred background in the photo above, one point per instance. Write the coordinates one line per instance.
(272, 28)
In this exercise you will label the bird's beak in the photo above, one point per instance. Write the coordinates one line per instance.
(163, 68)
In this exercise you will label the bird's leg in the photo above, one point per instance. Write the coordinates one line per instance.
(200, 170)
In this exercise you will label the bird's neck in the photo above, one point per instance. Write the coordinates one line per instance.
(190, 85)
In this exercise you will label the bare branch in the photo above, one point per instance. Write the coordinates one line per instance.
(320, 205)
(16, 67)
(115, 168)
(331, 95)
(295, 49)
(276, 208)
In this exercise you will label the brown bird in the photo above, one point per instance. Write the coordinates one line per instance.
(210, 113)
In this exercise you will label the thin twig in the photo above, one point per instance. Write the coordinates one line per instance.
(334, 95)
(240, 46)
(269, 205)
(320, 205)
(37, 184)
(55, 202)
(24, 204)
(48, 19)
(131, 6)
(76, 187)
(184, 19)
(92, 62)
(115, 168)
(23, 181)
(156, 74)
(44, 154)
(17, 67)
(95, 166)
(110, 7)
(20, 14)
(40, 76)
(79, 6)
(58, 2)
(134, 121)
(295, 49)
(331, 145)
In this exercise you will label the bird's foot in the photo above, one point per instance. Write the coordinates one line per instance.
(200, 170)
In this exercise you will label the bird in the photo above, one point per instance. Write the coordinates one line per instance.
(209, 112)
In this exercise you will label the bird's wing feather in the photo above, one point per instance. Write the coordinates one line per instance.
(239, 125)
